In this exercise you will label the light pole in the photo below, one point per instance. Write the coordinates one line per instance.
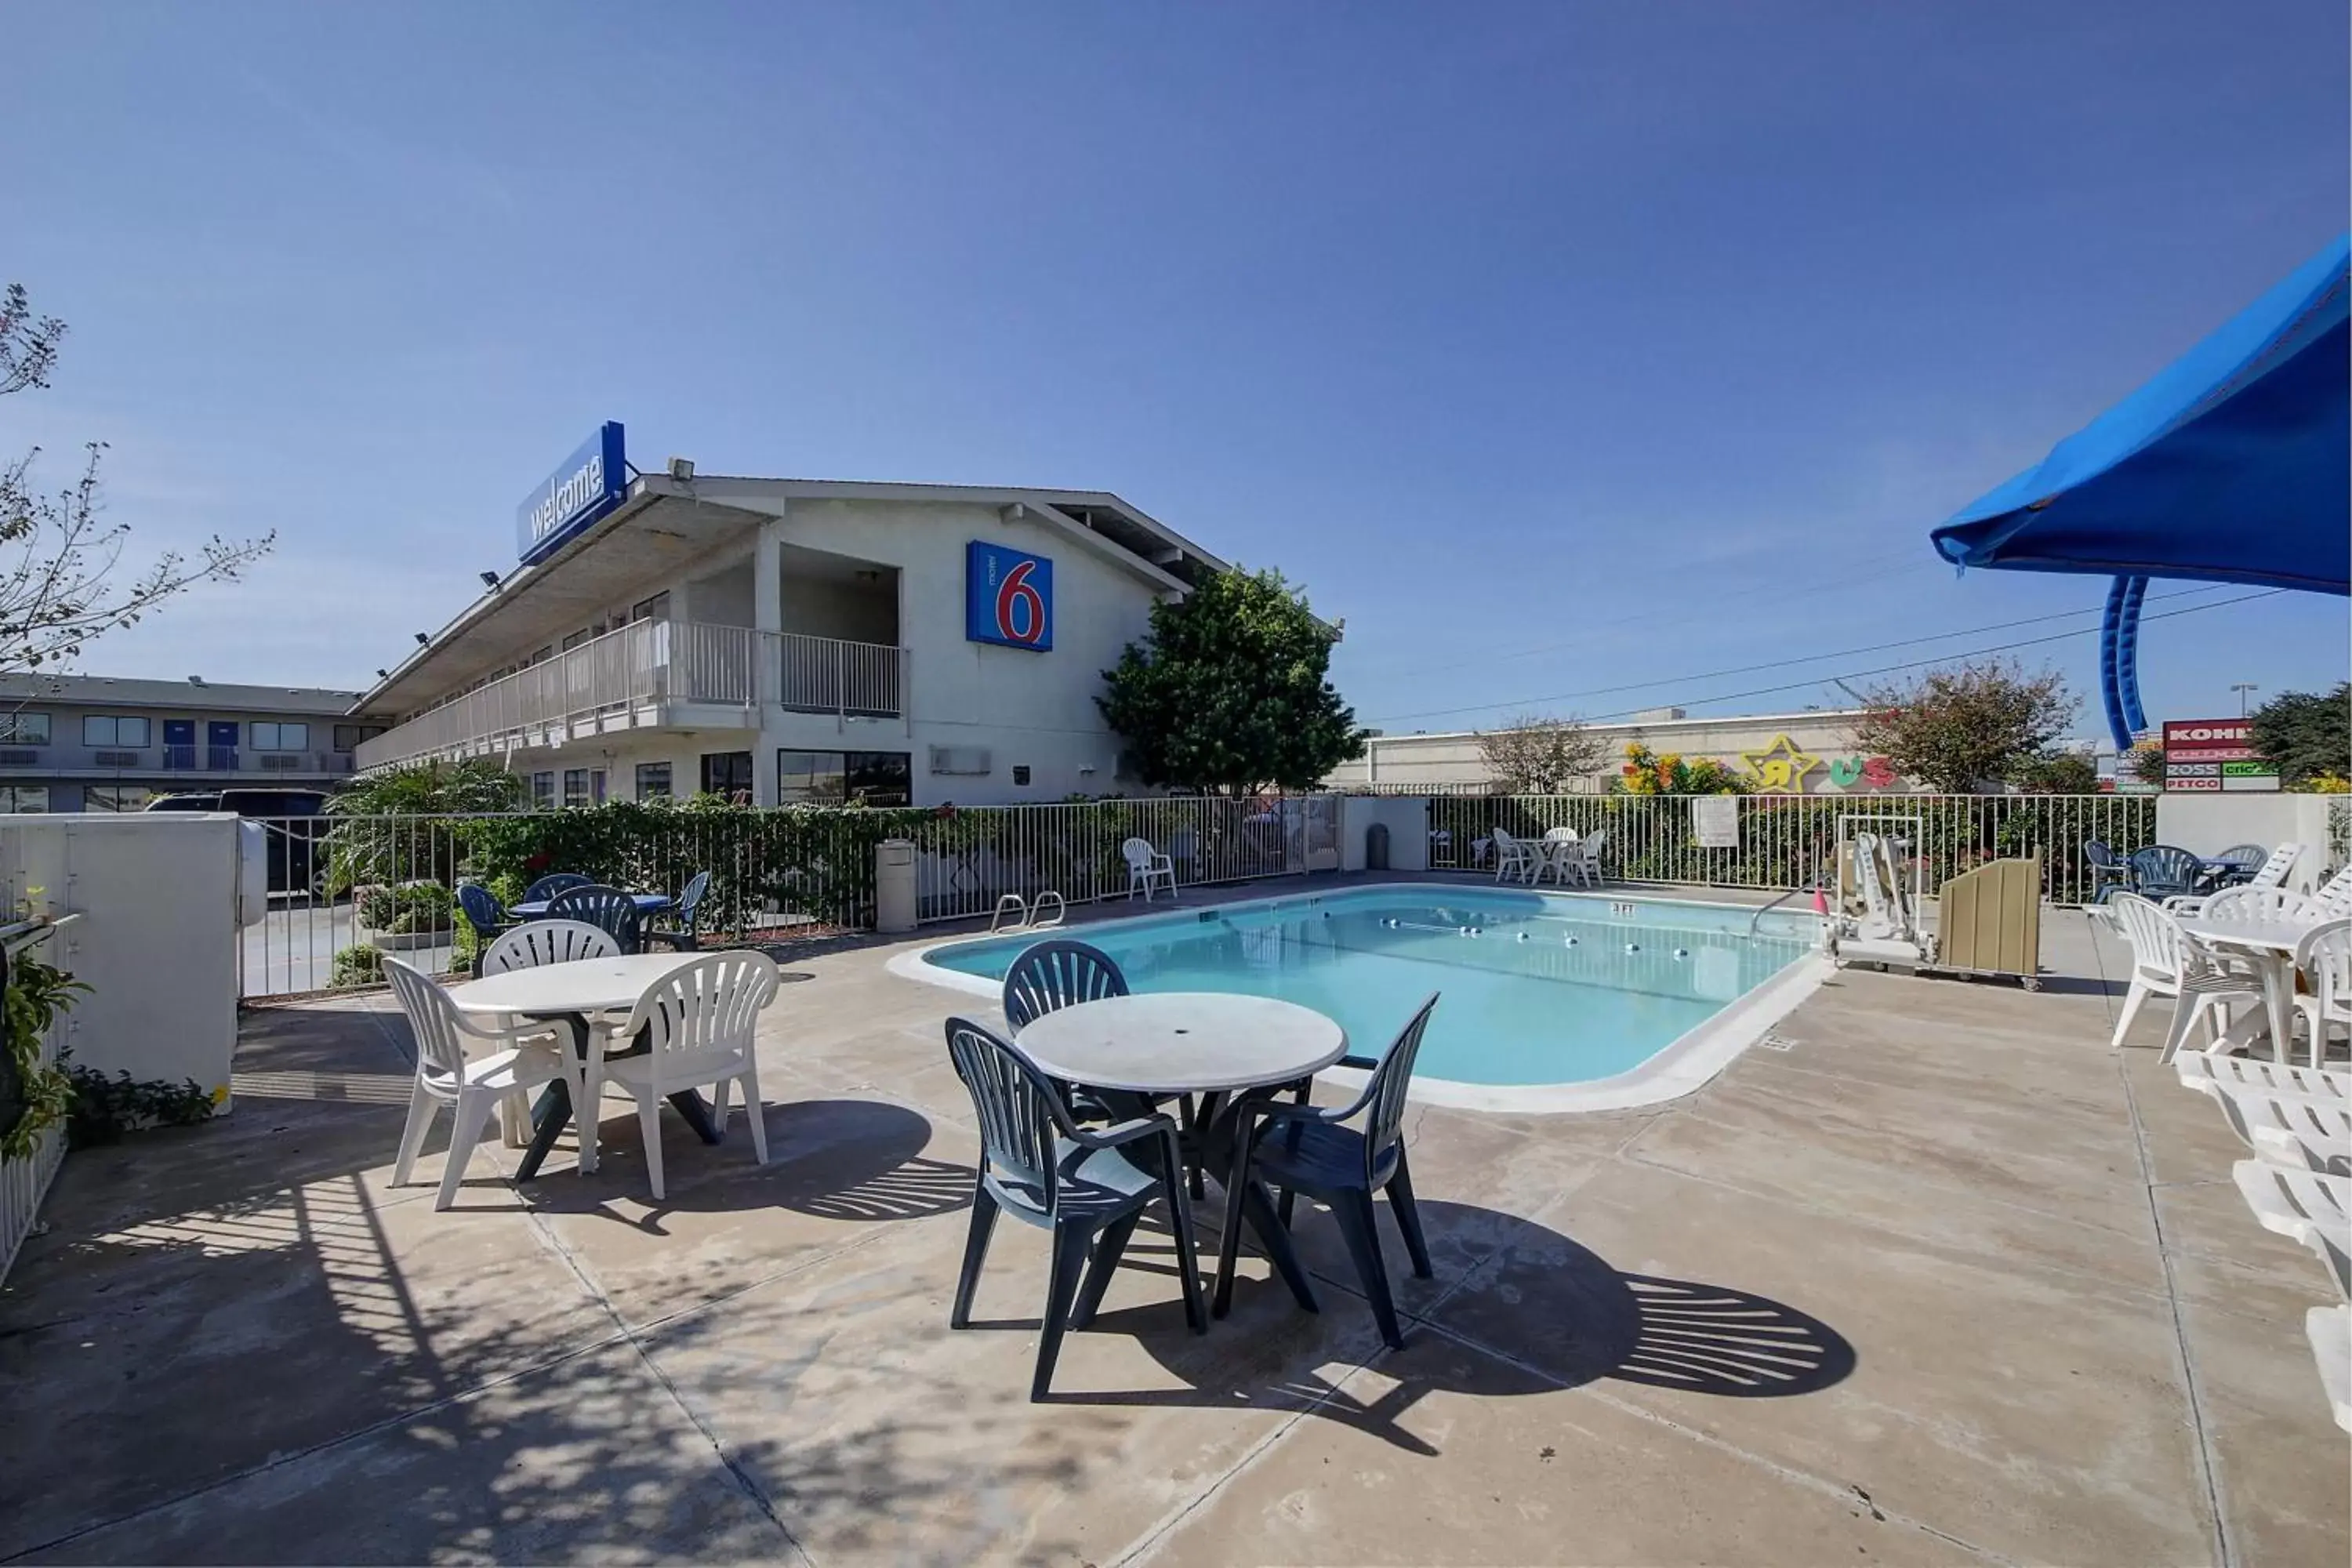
(2242, 687)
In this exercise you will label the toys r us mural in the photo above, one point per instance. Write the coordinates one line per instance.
(1782, 768)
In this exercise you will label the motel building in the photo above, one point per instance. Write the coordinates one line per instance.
(783, 641)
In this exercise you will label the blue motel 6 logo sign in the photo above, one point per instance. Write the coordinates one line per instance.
(1008, 596)
(589, 485)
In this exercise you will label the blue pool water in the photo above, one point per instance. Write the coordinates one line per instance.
(1538, 987)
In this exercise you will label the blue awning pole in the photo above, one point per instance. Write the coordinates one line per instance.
(2119, 660)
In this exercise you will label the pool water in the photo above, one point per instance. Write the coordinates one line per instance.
(1538, 988)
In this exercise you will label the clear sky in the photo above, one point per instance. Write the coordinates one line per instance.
(1558, 347)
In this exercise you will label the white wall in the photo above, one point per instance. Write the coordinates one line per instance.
(2209, 823)
(1026, 707)
(1405, 816)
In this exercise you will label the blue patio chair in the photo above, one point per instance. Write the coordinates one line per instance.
(1307, 1149)
(484, 913)
(2163, 870)
(683, 931)
(2110, 872)
(1038, 1165)
(608, 908)
(553, 884)
(2244, 860)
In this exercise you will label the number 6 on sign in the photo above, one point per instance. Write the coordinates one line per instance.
(1008, 597)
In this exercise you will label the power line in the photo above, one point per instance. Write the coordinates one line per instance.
(1810, 658)
(1970, 653)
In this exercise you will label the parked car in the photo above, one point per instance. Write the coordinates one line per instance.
(290, 817)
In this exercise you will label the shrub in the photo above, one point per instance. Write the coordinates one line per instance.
(359, 965)
(409, 908)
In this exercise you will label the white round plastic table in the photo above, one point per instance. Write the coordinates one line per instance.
(2273, 943)
(571, 991)
(1184, 1042)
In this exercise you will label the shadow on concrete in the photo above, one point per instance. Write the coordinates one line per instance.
(1538, 1313)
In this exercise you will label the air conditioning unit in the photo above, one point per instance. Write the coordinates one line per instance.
(114, 759)
(18, 758)
(282, 761)
(969, 760)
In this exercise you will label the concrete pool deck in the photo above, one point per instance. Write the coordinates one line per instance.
(1944, 1281)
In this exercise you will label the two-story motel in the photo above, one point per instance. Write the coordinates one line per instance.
(791, 640)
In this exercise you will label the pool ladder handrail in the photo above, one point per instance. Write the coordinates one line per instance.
(1026, 915)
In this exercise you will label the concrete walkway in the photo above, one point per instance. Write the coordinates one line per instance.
(1946, 1281)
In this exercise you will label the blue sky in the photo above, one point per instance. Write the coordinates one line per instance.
(1559, 348)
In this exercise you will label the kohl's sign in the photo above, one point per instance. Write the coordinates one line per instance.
(589, 485)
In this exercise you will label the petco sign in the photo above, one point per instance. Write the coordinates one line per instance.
(1008, 596)
(585, 488)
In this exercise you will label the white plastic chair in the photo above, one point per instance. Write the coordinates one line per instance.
(2210, 979)
(2324, 958)
(2329, 1328)
(2252, 903)
(701, 1020)
(1588, 857)
(1517, 857)
(2271, 873)
(2299, 1134)
(1146, 866)
(2334, 896)
(2202, 1069)
(1555, 855)
(471, 1088)
(2157, 954)
(535, 943)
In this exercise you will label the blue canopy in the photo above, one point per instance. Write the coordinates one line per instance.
(2233, 465)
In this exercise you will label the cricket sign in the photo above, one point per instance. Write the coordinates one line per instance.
(1008, 596)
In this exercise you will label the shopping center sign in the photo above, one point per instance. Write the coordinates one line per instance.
(590, 484)
(2209, 754)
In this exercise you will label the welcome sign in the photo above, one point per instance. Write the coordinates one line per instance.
(587, 486)
(1008, 596)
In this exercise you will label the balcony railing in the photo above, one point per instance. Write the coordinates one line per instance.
(852, 680)
(630, 676)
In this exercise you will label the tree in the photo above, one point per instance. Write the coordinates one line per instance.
(2056, 772)
(1535, 755)
(2144, 761)
(59, 584)
(1963, 729)
(2307, 735)
(1228, 691)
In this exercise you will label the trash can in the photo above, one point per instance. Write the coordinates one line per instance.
(1376, 847)
(894, 885)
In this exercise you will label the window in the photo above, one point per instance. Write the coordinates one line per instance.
(349, 736)
(24, 797)
(727, 774)
(653, 781)
(543, 791)
(107, 730)
(653, 609)
(834, 778)
(583, 787)
(23, 729)
(115, 797)
(268, 737)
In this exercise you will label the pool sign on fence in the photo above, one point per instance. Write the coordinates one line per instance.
(2207, 754)
(589, 485)
(1008, 596)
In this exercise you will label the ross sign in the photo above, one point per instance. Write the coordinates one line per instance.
(1714, 821)
(589, 485)
(1008, 596)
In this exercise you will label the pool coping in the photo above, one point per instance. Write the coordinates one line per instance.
(1681, 1066)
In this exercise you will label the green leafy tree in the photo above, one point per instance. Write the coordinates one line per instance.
(414, 823)
(1229, 691)
(2144, 762)
(2307, 735)
(1963, 730)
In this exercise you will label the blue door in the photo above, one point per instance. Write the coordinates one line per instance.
(179, 742)
(220, 743)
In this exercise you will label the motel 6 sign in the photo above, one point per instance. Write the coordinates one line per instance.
(1008, 596)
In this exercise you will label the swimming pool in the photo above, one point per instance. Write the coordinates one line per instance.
(1552, 1001)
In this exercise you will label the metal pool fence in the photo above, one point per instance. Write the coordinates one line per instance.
(1789, 841)
(347, 888)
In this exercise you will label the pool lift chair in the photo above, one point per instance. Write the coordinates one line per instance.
(1987, 921)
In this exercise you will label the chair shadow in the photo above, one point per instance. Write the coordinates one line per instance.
(852, 1159)
(2083, 985)
(1517, 1309)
